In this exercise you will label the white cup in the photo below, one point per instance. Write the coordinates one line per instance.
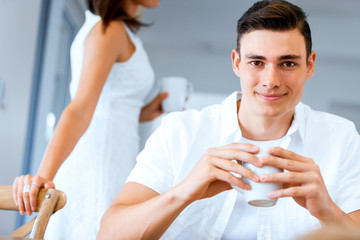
(258, 196)
(179, 89)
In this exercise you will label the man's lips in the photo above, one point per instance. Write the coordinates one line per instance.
(270, 97)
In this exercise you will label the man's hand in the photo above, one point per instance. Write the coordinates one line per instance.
(212, 174)
(302, 181)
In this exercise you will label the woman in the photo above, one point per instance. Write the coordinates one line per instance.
(111, 76)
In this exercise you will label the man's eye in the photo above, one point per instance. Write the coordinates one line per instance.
(256, 63)
(288, 64)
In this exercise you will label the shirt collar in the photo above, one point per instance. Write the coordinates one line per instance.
(229, 118)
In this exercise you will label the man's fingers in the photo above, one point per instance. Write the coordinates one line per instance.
(286, 177)
(283, 153)
(231, 166)
(236, 154)
(288, 164)
(297, 191)
(247, 147)
(231, 179)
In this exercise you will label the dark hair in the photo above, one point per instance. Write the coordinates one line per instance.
(110, 10)
(278, 15)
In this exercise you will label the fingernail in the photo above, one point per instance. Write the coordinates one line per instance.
(21, 213)
(269, 149)
(247, 187)
(272, 194)
(263, 178)
(256, 178)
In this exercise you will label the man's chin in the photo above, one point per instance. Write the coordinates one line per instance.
(270, 112)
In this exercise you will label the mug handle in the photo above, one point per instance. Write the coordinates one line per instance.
(189, 88)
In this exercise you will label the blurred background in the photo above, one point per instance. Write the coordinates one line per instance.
(188, 38)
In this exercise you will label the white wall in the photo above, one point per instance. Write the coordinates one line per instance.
(337, 71)
(19, 21)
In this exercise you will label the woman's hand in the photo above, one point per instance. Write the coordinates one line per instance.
(153, 109)
(26, 189)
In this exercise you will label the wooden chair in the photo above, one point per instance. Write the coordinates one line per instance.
(48, 202)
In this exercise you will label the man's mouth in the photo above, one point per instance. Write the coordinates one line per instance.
(270, 97)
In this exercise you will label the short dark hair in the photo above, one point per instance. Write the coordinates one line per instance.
(276, 15)
(110, 10)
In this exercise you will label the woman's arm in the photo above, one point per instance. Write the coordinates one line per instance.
(102, 49)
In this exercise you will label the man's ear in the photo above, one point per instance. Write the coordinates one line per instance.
(311, 64)
(235, 58)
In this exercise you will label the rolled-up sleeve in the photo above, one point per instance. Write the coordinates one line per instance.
(153, 168)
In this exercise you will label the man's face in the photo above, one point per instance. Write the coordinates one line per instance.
(273, 69)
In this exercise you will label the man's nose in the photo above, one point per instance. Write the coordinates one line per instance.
(270, 77)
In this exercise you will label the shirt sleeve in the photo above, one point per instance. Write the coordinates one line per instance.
(153, 168)
(348, 190)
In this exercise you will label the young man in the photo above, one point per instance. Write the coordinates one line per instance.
(181, 185)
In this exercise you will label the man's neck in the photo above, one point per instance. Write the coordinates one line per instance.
(261, 128)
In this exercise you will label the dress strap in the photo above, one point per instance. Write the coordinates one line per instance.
(91, 19)
(131, 34)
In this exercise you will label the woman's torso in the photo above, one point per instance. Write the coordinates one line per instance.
(119, 105)
(105, 154)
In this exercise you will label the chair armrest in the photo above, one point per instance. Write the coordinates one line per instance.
(7, 201)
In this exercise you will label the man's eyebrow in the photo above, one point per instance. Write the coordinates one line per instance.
(252, 56)
(285, 57)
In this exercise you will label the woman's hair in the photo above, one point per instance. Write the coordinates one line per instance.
(110, 10)
(276, 15)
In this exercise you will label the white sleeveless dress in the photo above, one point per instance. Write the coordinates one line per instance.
(97, 168)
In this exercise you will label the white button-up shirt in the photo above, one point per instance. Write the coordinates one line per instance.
(176, 146)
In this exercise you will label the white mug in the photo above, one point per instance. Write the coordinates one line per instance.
(258, 196)
(179, 89)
